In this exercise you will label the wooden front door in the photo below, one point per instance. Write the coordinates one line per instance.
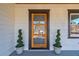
(39, 30)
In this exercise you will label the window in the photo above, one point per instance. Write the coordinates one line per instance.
(73, 23)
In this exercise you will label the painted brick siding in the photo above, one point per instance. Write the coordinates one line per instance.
(6, 29)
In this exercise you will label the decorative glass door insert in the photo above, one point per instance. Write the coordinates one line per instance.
(39, 30)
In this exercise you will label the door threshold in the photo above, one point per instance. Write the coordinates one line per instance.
(40, 50)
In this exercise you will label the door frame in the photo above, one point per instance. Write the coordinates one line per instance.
(30, 27)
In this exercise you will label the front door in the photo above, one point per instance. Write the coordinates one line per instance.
(38, 21)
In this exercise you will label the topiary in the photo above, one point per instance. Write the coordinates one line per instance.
(20, 39)
(57, 41)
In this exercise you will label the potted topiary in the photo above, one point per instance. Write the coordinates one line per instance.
(57, 45)
(20, 45)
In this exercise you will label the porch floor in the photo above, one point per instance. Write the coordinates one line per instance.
(46, 53)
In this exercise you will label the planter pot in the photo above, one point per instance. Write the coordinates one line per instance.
(57, 50)
(19, 50)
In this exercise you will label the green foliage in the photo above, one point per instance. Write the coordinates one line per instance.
(20, 39)
(57, 41)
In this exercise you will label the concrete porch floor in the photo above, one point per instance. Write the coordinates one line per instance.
(46, 53)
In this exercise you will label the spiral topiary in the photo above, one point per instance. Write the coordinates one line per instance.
(57, 41)
(20, 39)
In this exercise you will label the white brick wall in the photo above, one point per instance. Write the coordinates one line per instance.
(6, 29)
